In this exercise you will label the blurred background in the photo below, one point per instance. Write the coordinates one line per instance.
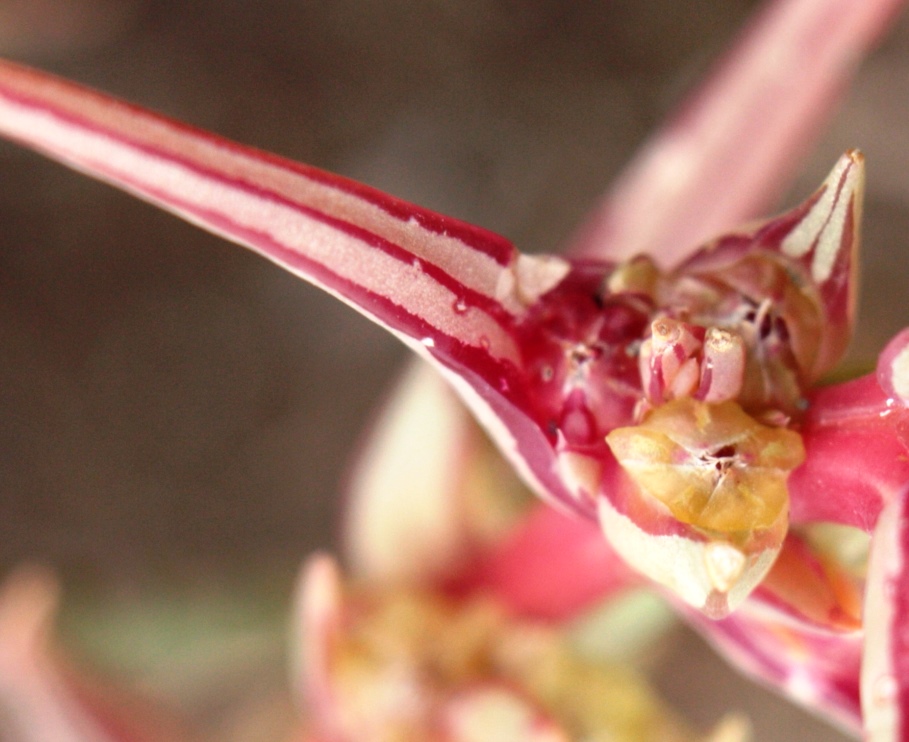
(177, 414)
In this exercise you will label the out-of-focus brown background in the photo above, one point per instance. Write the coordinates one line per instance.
(177, 413)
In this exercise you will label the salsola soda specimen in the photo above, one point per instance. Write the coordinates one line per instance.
(667, 390)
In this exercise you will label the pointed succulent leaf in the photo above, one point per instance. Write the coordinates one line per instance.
(451, 291)
(885, 664)
(736, 142)
(793, 284)
(424, 276)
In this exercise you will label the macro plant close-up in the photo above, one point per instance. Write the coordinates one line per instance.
(650, 439)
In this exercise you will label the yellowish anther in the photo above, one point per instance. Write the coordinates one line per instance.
(724, 356)
(664, 331)
(714, 466)
(722, 341)
(639, 276)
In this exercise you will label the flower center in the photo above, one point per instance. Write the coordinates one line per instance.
(712, 465)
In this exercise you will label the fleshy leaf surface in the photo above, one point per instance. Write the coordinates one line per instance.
(857, 437)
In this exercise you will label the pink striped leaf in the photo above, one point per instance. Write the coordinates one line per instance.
(452, 292)
(734, 145)
(885, 663)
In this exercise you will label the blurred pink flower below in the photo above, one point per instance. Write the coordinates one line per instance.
(661, 380)
(411, 665)
(467, 649)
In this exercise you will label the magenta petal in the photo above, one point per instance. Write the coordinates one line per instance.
(552, 567)
(857, 455)
(734, 145)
